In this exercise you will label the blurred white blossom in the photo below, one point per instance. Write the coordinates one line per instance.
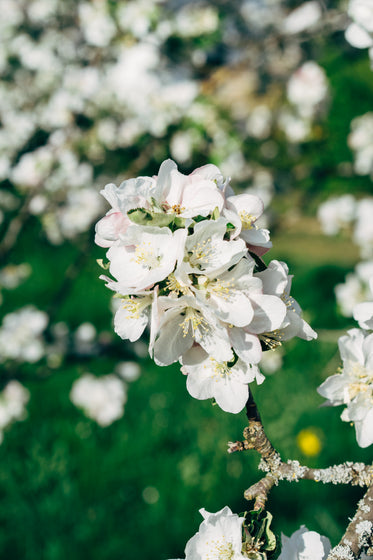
(20, 335)
(129, 371)
(336, 213)
(360, 141)
(101, 398)
(355, 289)
(307, 88)
(13, 400)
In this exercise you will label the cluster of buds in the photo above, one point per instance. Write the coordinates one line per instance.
(184, 255)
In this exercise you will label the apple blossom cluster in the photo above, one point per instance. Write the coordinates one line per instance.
(225, 535)
(184, 253)
(353, 385)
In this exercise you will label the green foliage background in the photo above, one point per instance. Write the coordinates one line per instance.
(71, 489)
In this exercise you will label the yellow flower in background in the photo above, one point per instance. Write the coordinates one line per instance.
(309, 442)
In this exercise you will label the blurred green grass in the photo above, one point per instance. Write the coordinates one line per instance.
(133, 490)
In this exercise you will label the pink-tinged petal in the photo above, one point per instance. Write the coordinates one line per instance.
(260, 251)
(109, 228)
(201, 198)
(209, 171)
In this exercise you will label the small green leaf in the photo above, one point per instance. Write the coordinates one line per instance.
(230, 226)
(216, 214)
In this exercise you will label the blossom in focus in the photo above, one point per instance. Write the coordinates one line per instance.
(101, 398)
(227, 384)
(354, 385)
(21, 335)
(184, 254)
(219, 536)
(277, 281)
(304, 545)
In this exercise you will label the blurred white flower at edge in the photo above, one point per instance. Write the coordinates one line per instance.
(13, 400)
(355, 289)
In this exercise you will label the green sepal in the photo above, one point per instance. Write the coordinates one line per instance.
(102, 264)
(259, 264)
(258, 534)
(216, 213)
(143, 217)
(230, 226)
(179, 222)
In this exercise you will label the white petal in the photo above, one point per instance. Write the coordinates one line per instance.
(269, 313)
(358, 37)
(246, 345)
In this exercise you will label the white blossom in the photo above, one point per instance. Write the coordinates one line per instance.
(219, 537)
(307, 88)
(336, 213)
(360, 31)
(360, 140)
(101, 398)
(303, 17)
(227, 384)
(20, 335)
(304, 545)
(355, 289)
(183, 252)
(354, 385)
(13, 400)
